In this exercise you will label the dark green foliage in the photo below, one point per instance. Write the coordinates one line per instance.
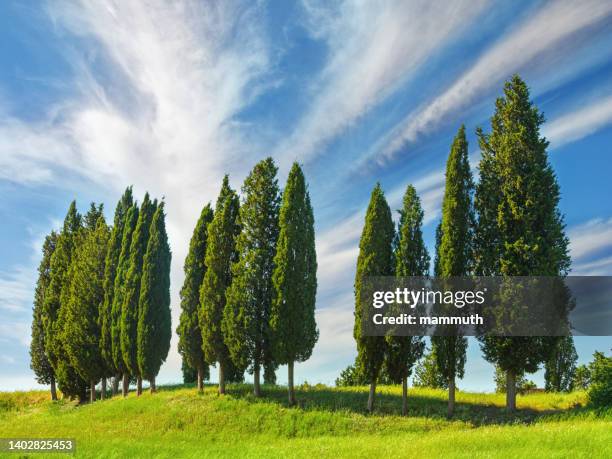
(154, 320)
(56, 297)
(351, 376)
(427, 374)
(375, 259)
(561, 366)
(81, 333)
(129, 311)
(249, 298)
(600, 390)
(520, 231)
(90, 220)
(411, 259)
(190, 375)
(190, 335)
(38, 356)
(220, 253)
(582, 378)
(110, 273)
(454, 244)
(522, 384)
(123, 265)
(292, 318)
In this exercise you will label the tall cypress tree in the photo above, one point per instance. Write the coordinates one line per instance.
(561, 366)
(411, 259)
(292, 321)
(110, 273)
(520, 229)
(375, 259)
(190, 335)
(220, 254)
(455, 254)
(129, 311)
(249, 298)
(81, 329)
(154, 319)
(38, 356)
(123, 265)
(56, 296)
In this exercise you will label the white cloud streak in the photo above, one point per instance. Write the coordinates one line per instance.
(579, 123)
(375, 47)
(519, 48)
(589, 238)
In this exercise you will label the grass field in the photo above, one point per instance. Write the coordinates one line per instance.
(178, 422)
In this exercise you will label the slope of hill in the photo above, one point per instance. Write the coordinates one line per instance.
(178, 422)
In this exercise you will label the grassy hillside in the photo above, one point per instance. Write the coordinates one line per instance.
(177, 422)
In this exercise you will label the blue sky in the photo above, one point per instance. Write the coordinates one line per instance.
(98, 95)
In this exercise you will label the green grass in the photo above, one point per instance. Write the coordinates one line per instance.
(178, 422)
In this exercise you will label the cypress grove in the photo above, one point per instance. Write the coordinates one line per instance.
(131, 219)
(220, 253)
(375, 259)
(154, 328)
(82, 329)
(520, 230)
(292, 318)
(69, 382)
(189, 332)
(110, 273)
(454, 254)
(39, 361)
(250, 294)
(129, 311)
(411, 259)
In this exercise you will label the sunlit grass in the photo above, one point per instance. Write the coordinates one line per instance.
(178, 422)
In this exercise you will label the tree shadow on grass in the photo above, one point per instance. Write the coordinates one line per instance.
(388, 404)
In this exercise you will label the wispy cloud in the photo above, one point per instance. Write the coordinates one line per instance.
(16, 289)
(374, 47)
(519, 48)
(589, 238)
(579, 123)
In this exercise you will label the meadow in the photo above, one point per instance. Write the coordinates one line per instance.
(329, 422)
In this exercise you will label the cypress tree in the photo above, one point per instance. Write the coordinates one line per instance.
(249, 298)
(520, 229)
(154, 319)
(561, 366)
(123, 264)
(129, 311)
(455, 256)
(110, 273)
(220, 254)
(292, 318)
(190, 335)
(411, 259)
(375, 259)
(81, 329)
(56, 296)
(38, 356)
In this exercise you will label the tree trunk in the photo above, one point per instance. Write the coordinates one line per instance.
(153, 386)
(115, 385)
(92, 391)
(451, 397)
(290, 383)
(126, 384)
(200, 385)
(371, 396)
(404, 396)
(510, 391)
(256, 385)
(53, 390)
(103, 388)
(221, 378)
(139, 385)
